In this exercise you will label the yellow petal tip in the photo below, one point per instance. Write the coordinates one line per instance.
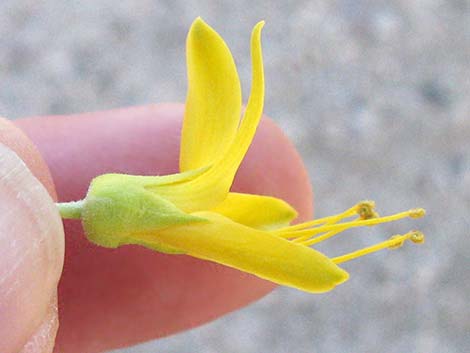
(198, 26)
(257, 29)
(198, 20)
(338, 277)
(344, 276)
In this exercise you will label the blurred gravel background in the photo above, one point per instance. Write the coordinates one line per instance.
(376, 96)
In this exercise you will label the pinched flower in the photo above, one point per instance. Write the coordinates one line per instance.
(194, 212)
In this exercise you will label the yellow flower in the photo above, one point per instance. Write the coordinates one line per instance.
(194, 212)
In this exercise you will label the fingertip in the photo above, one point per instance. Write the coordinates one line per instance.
(16, 140)
(43, 339)
(273, 167)
(31, 253)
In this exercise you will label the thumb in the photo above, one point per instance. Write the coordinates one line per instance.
(31, 259)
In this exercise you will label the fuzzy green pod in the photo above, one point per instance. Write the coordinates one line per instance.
(118, 208)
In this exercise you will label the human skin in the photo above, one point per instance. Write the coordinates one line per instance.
(110, 298)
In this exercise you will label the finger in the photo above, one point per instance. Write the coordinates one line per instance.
(110, 298)
(16, 140)
(31, 249)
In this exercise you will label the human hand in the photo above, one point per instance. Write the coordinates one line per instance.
(110, 298)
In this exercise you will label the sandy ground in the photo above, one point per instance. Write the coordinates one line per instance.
(375, 95)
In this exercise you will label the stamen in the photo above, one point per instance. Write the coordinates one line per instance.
(325, 220)
(308, 233)
(308, 242)
(393, 243)
(364, 209)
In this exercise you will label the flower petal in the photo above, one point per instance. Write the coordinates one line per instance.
(211, 187)
(256, 211)
(254, 251)
(213, 104)
(227, 166)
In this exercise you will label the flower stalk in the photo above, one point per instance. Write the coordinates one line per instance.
(70, 210)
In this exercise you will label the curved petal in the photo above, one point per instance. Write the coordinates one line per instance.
(213, 104)
(211, 187)
(254, 251)
(151, 181)
(256, 211)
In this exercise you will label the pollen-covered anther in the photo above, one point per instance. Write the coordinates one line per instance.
(417, 237)
(366, 210)
(417, 212)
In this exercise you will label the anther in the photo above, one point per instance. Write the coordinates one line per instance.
(417, 237)
(365, 210)
(417, 212)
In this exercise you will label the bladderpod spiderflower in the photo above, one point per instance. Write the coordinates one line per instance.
(194, 212)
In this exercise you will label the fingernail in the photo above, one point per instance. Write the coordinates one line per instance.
(31, 252)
